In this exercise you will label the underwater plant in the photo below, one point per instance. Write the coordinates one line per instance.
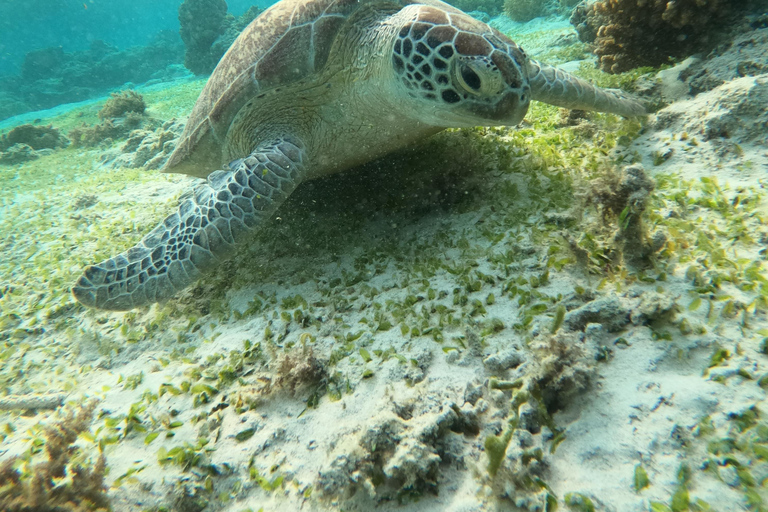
(63, 483)
(122, 103)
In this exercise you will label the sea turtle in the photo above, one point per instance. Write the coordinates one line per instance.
(314, 87)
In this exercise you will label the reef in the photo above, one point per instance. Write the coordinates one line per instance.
(51, 76)
(208, 31)
(632, 33)
(744, 56)
(120, 104)
(202, 21)
(27, 142)
(63, 483)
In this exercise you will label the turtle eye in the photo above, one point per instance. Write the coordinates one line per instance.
(468, 79)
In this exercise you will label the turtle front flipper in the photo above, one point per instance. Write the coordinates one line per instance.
(556, 87)
(220, 214)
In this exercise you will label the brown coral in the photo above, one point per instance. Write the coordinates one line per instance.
(58, 484)
(633, 33)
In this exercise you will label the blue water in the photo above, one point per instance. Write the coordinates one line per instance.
(73, 24)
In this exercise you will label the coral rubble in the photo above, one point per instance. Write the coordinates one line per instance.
(634, 33)
(104, 132)
(145, 148)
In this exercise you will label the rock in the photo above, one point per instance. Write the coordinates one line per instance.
(147, 149)
(414, 465)
(609, 311)
(503, 360)
(744, 56)
(735, 110)
(18, 154)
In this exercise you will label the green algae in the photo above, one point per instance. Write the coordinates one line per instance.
(534, 171)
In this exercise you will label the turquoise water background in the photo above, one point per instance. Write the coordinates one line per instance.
(73, 24)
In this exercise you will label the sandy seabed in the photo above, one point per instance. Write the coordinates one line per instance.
(524, 330)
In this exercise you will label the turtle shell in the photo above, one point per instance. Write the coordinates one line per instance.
(286, 43)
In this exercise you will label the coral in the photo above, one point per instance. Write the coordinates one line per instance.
(51, 76)
(105, 132)
(633, 33)
(119, 104)
(37, 137)
(18, 154)
(63, 483)
(202, 22)
(561, 368)
(524, 10)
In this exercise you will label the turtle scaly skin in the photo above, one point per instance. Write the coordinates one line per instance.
(314, 87)
(202, 233)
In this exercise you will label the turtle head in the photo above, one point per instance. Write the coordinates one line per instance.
(468, 73)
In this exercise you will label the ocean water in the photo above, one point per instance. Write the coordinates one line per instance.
(73, 25)
(419, 270)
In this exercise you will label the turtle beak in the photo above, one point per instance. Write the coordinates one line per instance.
(515, 98)
(508, 110)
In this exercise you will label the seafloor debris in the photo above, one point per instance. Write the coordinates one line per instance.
(623, 196)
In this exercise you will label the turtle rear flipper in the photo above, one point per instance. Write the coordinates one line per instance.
(556, 87)
(221, 213)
